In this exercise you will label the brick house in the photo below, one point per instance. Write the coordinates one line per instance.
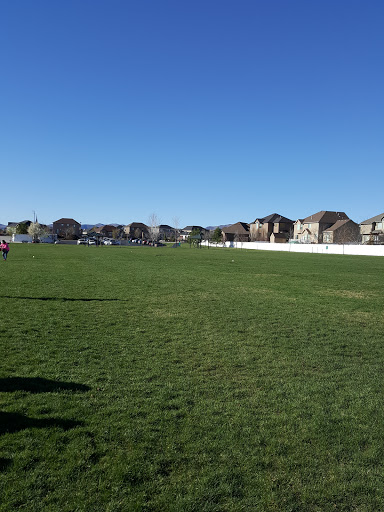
(66, 228)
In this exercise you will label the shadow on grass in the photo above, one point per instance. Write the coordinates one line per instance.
(13, 422)
(38, 385)
(4, 463)
(61, 299)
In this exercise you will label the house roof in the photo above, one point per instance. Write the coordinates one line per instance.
(239, 227)
(326, 217)
(273, 217)
(378, 218)
(191, 228)
(338, 224)
(13, 224)
(66, 221)
(135, 225)
(108, 227)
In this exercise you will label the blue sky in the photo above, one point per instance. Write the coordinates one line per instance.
(210, 111)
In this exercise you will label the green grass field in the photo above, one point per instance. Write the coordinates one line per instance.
(159, 379)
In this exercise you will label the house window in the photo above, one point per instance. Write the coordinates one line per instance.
(309, 226)
(379, 225)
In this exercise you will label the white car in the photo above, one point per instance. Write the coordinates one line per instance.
(82, 241)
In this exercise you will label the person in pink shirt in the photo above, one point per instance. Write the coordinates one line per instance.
(4, 249)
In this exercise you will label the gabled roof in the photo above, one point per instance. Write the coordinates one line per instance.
(326, 217)
(66, 221)
(134, 225)
(378, 218)
(14, 224)
(239, 227)
(108, 227)
(273, 217)
(338, 224)
(191, 228)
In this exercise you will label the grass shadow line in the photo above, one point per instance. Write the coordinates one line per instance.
(14, 422)
(38, 385)
(62, 299)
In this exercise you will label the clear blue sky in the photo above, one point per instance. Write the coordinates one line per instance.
(212, 111)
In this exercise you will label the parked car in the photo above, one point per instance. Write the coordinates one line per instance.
(82, 241)
(115, 242)
(92, 241)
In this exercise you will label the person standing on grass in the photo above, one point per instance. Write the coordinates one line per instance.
(4, 249)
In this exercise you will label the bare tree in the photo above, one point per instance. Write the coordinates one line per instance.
(176, 226)
(348, 234)
(69, 233)
(153, 227)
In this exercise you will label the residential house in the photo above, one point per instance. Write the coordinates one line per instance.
(136, 230)
(238, 232)
(109, 230)
(298, 227)
(372, 230)
(262, 228)
(67, 228)
(310, 229)
(15, 225)
(166, 231)
(185, 232)
(342, 232)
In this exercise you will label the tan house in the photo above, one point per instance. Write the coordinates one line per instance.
(342, 232)
(66, 228)
(238, 232)
(263, 228)
(372, 230)
(136, 229)
(310, 230)
(278, 238)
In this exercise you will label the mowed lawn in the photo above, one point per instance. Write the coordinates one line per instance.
(160, 379)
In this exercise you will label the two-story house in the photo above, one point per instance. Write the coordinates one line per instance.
(136, 230)
(342, 232)
(185, 232)
(262, 228)
(66, 228)
(310, 230)
(372, 230)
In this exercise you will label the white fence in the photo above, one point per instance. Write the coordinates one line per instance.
(362, 250)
